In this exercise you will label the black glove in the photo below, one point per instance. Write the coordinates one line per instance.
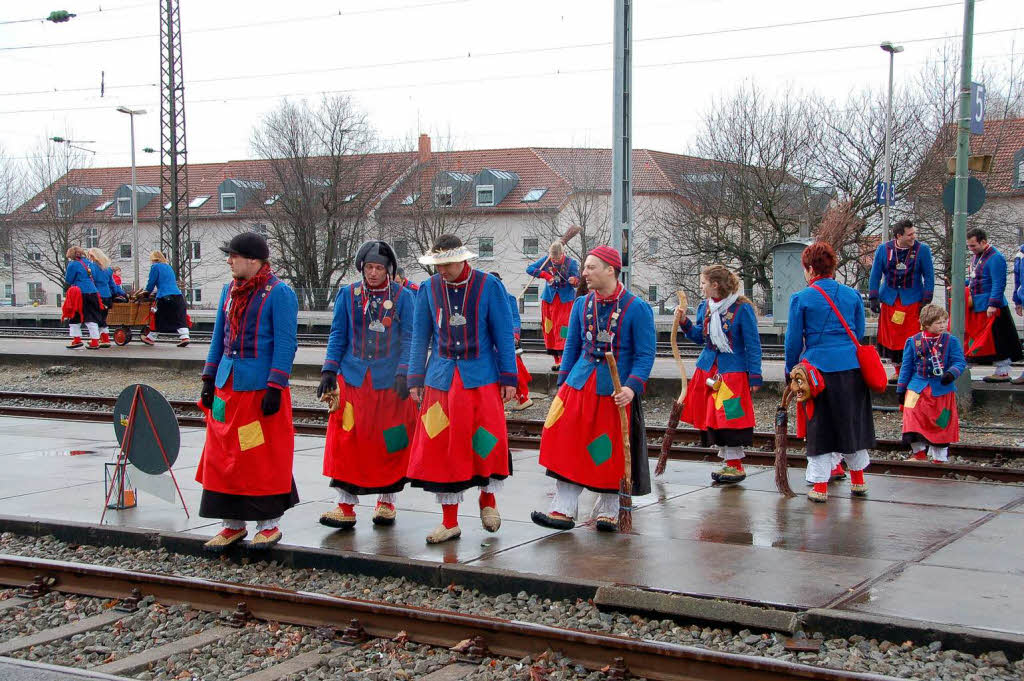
(271, 402)
(328, 383)
(402, 387)
(206, 394)
(876, 307)
(947, 378)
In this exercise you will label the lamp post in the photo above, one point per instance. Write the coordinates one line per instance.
(132, 113)
(892, 50)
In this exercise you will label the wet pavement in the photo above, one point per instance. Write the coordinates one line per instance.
(927, 549)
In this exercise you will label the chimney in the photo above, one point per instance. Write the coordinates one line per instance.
(424, 152)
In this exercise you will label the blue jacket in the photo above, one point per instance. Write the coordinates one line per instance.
(262, 353)
(559, 284)
(815, 334)
(915, 284)
(1018, 277)
(987, 282)
(104, 280)
(917, 371)
(161, 277)
(517, 321)
(78, 274)
(740, 325)
(483, 349)
(355, 349)
(633, 343)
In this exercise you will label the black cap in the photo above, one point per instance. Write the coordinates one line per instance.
(377, 252)
(248, 245)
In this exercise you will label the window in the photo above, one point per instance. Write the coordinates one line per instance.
(198, 201)
(486, 246)
(34, 256)
(125, 252)
(124, 207)
(167, 206)
(261, 229)
(228, 203)
(530, 296)
(531, 246)
(653, 246)
(272, 200)
(195, 252)
(63, 208)
(92, 237)
(535, 195)
(1020, 173)
(8, 290)
(36, 292)
(401, 249)
(39, 208)
(485, 195)
(443, 197)
(411, 199)
(7, 259)
(195, 295)
(103, 206)
(652, 293)
(350, 198)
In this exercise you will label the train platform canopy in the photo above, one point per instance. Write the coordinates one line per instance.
(937, 552)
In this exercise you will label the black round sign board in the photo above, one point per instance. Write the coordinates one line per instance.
(155, 425)
(975, 195)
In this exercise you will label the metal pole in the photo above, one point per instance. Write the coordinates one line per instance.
(135, 207)
(963, 150)
(888, 155)
(622, 131)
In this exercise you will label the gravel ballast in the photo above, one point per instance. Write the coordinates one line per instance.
(47, 612)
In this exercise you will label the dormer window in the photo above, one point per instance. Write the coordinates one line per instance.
(124, 208)
(227, 203)
(1020, 173)
(485, 195)
(443, 197)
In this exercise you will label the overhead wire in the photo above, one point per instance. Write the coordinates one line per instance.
(100, 10)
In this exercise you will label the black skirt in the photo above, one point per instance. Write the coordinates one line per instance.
(444, 487)
(727, 437)
(105, 311)
(91, 313)
(357, 490)
(842, 420)
(1004, 337)
(242, 507)
(170, 314)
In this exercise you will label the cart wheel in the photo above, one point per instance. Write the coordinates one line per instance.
(122, 335)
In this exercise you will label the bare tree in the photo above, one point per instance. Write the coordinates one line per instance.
(10, 197)
(324, 182)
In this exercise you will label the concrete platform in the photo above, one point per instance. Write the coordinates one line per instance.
(928, 551)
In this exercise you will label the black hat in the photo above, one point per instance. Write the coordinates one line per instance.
(377, 252)
(248, 245)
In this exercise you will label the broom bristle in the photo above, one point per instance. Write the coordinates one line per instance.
(625, 508)
(782, 453)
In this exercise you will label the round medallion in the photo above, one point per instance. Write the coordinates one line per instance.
(388, 305)
(387, 320)
(357, 290)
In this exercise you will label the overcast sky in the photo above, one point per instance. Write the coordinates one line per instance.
(430, 65)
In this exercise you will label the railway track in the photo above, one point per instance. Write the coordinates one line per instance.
(993, 462)
(354, 622)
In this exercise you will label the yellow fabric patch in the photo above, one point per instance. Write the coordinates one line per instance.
(250, 435)
(434, 420)
(547, 325)
(555, 412)
(898, 316)
(723, 394)
(911, 399)
(348, 418)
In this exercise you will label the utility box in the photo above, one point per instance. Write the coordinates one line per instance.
(788, 273)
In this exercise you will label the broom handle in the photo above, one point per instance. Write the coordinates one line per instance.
(627, 459)
(530, 283)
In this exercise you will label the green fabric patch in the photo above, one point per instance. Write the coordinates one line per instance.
(396, 439)
(483, 442)
(733, 408)
(563, 332)
(944, 418)
(600, 449)
(219, 409)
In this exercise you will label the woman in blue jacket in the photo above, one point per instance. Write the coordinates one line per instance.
(718, 402)
(1018, 295)
(839, 421)
(103, 277)
(82, 304)
(170, 316)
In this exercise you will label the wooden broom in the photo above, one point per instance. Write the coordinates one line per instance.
(626, 483)
(782, 445)
(565, 238)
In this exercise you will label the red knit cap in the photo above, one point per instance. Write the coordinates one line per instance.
(608, 255)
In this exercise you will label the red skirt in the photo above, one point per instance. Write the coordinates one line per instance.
(897, 323)
(368, 439)
(731, 407)
(554, 318)
(247, 453)
(933, 419)
(978, 333)
(523, 377)
(461, 441)
(582, 438)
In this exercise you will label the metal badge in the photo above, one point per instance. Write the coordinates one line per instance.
(937, 371)
(456, 320)
(357, 290)
(388, 305)
(376, 326)
(604, 337)
(386, 322)
(900, 267)
(590, 336)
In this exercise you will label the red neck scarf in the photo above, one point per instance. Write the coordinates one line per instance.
(463, 275)
(614, 294)
(242, 291)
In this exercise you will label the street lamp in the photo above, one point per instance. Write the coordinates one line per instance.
(132, 113)
(887, 189)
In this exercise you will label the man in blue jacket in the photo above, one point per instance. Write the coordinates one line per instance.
(562, 274)
(246, 465)
(988, 326)
(1018, 295)
(902, 280)
(462, 317)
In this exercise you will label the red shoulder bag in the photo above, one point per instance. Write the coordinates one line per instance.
(871, 368)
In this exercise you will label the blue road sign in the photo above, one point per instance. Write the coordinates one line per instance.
(977, 109)
(880, 194)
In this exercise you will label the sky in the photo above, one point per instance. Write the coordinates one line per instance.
(477, 74)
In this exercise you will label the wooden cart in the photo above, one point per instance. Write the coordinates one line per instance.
(123, 316)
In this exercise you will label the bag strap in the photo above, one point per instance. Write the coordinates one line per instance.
(838, 314)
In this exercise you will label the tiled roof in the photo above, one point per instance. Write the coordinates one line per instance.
(1002, 138)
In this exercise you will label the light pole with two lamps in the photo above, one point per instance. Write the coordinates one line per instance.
(132, 113)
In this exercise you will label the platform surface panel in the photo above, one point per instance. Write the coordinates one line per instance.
(927, 549)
